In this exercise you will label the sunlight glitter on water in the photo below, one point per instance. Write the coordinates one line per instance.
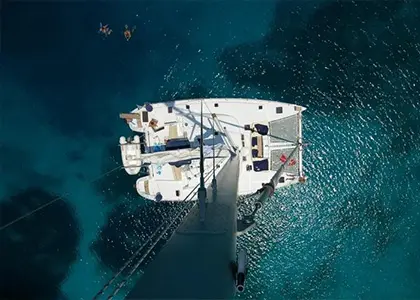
(346, 214)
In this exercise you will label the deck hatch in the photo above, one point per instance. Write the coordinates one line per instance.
(145, 116)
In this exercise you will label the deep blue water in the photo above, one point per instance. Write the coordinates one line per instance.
(353, 231)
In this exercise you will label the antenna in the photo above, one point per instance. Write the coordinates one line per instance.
(202, 192)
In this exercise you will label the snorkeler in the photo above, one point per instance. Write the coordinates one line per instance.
(104, 30)
(128, 32)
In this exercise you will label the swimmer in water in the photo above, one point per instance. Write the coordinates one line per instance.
(104, 30)
(128, 32)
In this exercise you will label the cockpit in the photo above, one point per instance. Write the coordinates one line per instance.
(176, 144)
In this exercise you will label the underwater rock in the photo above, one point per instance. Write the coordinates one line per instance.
(37, 251)
(128, 228)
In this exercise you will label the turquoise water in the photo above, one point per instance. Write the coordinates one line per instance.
(353, 231)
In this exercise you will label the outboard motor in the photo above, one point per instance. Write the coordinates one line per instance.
(242, 270)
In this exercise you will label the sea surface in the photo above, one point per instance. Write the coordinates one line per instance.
(351, 232)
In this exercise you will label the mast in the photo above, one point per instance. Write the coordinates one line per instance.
(202, 191)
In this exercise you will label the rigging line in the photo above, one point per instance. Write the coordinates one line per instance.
(282, 139)
(130, 260)
(51, 202)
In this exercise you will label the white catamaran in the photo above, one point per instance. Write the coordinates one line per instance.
(263, 133)
(228, 146)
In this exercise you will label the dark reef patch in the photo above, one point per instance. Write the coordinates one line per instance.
(317, 284)
(75, 156)
(128, 228)
(374, 218)
(13, 159)
(407, 138)
(36, 252)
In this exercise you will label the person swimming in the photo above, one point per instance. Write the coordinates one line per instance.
(128, 32)
(104, 30)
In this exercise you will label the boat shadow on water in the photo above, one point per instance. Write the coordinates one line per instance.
(129, 227)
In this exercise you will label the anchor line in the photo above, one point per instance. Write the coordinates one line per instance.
(149, 249)
(53, 201)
